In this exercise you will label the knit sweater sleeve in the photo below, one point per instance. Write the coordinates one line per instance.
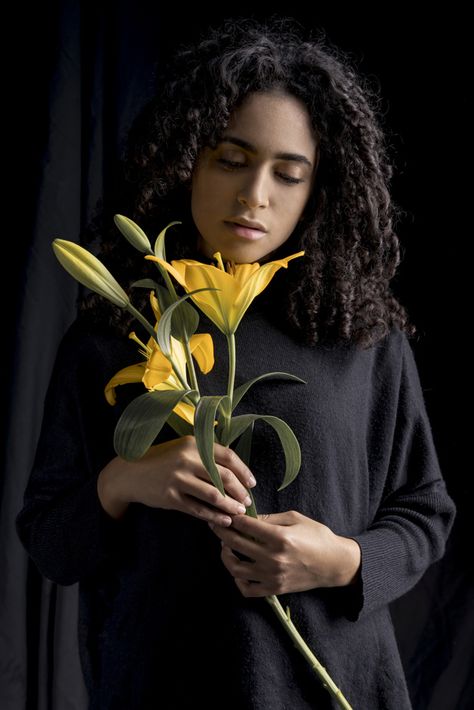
(62, 524)
(415, 513)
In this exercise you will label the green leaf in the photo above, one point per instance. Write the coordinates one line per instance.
(160, 242)
(288, 441)
(164, 298)
(164, 326)
(185, 326)
(241, 390)
(146, 283)
(204, 418)
(243, 449)
(142, 420)
(181, 427)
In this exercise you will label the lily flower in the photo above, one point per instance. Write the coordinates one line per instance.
(238, 286)
(156, 371)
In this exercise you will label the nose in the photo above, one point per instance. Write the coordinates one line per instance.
(254, 192)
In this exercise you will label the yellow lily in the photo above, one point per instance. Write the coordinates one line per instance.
(238, 286)
(156, 371)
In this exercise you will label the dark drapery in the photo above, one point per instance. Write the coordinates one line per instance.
(89, 69)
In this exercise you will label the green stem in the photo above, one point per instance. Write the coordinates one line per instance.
(304, 649)
(227, 408)
(146, 324)
(189, 360)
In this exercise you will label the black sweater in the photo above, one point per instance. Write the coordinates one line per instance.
(162, 623)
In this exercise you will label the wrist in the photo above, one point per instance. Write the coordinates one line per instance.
(349, 561)
(110, 490)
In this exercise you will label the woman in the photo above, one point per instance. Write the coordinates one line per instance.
(253, 126)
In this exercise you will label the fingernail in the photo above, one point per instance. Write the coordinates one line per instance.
(248, 500)
(242, 508)
(252, 481)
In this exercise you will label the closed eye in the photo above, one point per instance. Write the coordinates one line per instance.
(233, 164)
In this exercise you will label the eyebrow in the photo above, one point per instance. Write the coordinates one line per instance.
(248, 146)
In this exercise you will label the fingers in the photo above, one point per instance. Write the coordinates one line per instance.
(210, 494)
(236, 541)
(267, 532)
(202, 511)
(228, 458)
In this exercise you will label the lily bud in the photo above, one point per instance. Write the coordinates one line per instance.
(89, 271)
(133, 233)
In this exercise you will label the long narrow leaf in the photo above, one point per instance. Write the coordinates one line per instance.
(142, 420)
(160, 241)
(180, 426)
(164, 325)
(145, 283)
(204, 418)
(240, 391)
(244, 449)
(288, 441)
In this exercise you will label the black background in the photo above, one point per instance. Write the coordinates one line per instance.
(421, 66)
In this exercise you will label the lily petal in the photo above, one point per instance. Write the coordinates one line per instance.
(157, 369)
(202, 347)
(132, 373)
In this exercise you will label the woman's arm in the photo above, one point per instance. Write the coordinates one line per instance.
(63, 524)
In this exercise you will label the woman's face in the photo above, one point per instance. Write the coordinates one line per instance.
(272, 149)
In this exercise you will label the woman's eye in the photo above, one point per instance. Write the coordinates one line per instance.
(233, 164)
(230, 163)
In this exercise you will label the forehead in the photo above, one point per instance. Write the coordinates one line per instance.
(273, 121)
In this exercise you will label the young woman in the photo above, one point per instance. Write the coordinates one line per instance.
(263, 143)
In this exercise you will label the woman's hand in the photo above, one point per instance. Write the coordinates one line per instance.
(291, 553)
(171, 475)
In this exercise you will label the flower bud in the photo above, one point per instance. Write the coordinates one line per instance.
(133, 233)
(89, 271)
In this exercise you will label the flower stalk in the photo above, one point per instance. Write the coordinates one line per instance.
(304, 649)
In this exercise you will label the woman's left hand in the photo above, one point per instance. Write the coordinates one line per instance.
(290, 553)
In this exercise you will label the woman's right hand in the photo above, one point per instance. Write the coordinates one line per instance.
(171, 475)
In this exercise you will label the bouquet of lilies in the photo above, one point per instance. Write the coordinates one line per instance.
(168, 374)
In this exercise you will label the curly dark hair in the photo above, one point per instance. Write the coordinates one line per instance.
(340, 291)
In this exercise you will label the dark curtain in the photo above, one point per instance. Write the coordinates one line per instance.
(86, 68)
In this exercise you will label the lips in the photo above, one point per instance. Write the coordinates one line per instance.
(244, 231)
(248, 223)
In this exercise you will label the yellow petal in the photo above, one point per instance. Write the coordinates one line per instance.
(217, 305)
(89, 271)
(155, 306)
(185, 411)
(157, 369)
(132, 373)
(254, 283)
(174, 272)
(202, 347)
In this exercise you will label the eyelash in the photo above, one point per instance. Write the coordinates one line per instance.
(286, 178)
